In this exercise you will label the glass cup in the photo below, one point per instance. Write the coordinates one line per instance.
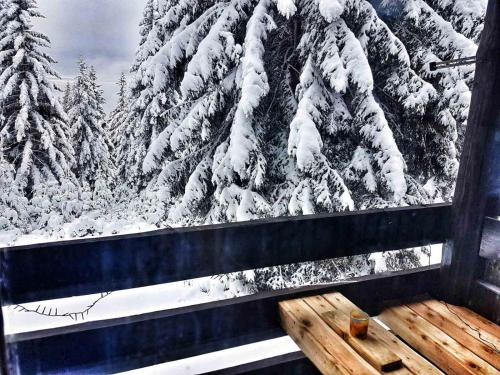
(359, 324)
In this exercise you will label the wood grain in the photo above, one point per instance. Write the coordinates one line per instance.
(476, 320)
(452, 357)
(371, 349)
(413, 361)
(319, 342)
(474, 340)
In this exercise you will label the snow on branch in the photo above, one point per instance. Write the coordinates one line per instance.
(466, 16)
(441, 36)
(386, 51)
(331, 10)
(216, 51)
(378, 135)
(360, 166)
(194, 193)
(286, 7)
(304, 142)
(353, 60)
(321, 186)
(182, 45)
(196, 125)
(254, 86)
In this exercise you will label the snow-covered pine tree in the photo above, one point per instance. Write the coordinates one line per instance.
(117, 122)
(34, 134)
(147, 102)
(93, 161)
(98, 94)
(66, 100)
(429, 37)
(211, 149)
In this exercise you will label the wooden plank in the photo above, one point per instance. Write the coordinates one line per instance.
(490, 241)
(312, 348)
(481, 343)
(87, 266)
(411, 359)
(448, 354)
(321, 344)
(372, 350)
(477, 321)
(152, 338)
(477, 181)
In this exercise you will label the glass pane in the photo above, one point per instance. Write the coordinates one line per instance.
(176, 114)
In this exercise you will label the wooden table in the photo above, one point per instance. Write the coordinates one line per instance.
(426, 337)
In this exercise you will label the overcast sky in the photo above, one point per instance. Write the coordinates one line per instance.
(105, 32)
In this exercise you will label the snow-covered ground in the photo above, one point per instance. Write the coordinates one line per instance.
(67, 230)
(43, 314)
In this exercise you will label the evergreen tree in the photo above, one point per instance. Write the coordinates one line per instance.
(93, 162)
(117, 123)
(98, 96)
(147, 102)
(66, 101)
(33, 134)
(429, 37)
(352, 118)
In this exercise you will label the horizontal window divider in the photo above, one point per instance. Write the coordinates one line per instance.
(88, 266)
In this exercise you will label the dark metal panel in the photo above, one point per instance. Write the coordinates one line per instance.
(151, 339)
(485, 300)
(479, 176)
(490, 241)
(70, 268)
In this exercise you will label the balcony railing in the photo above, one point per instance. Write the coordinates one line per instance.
(81, 267)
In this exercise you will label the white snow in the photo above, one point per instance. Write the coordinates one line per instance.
(222, 359)
(435, 257)
(286, 7)
(254, 86)
(331, 9)
(118, 304)
(102, 226)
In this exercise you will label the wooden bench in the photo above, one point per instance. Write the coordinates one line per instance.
(426, 337)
